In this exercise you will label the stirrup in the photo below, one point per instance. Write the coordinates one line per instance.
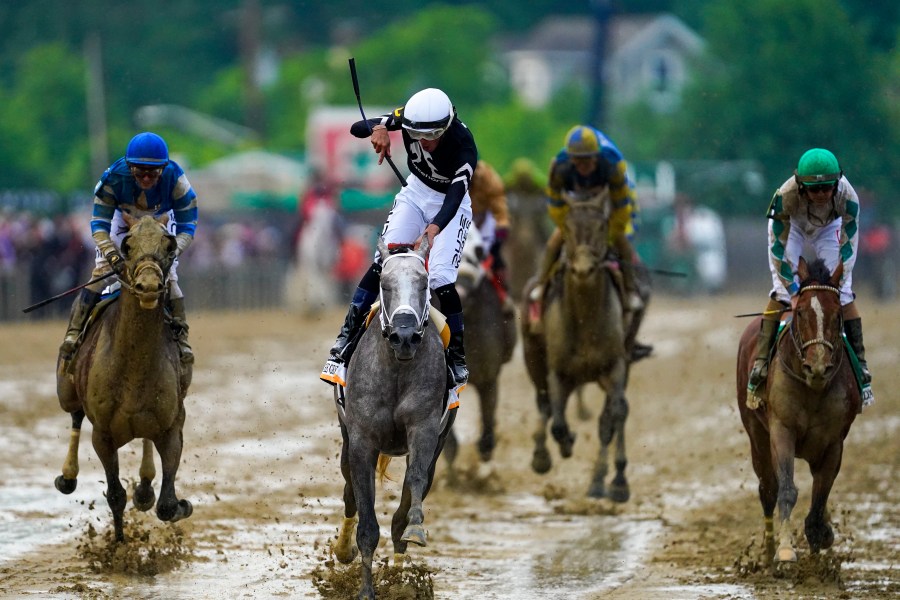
(334, 372)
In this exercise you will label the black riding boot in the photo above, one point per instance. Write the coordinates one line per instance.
(343, 348)
(768, 330)
(180, 328)
(853, 329)
(81, 308)
(456, 359)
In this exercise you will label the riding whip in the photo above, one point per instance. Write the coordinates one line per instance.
(366, 121)
(67, 292)
(764, 313)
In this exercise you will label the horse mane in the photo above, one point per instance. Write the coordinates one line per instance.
(818, 274)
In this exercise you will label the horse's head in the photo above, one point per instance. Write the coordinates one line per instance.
(404, 297)
(149, 251)
(586, 230)
(817, 323)
(471, 270)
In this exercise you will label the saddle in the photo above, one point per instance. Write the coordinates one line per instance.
(335, 372)
(759, 397)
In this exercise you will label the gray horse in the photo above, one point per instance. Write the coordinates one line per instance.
(490, 340)
(583, 341)
(127, 378)
(395, 405)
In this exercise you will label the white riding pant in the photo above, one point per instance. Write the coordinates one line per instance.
(488, 230)
(415, 205)
(118, 230)
(825, 242)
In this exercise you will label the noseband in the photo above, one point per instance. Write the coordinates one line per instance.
(387, 325)
(144, 263)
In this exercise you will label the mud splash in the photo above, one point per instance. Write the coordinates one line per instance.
(148, 549)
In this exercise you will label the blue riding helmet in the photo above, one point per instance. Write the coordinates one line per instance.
(147, 149)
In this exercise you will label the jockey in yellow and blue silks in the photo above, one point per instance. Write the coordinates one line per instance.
(143, 182)
(590, 161)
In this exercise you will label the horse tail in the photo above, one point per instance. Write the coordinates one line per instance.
(383, 461)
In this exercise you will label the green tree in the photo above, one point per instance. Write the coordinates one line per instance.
(800, 76)
(43, 123)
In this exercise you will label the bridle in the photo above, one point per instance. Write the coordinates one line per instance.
(142, 264)
(387, 321)
(800, 345)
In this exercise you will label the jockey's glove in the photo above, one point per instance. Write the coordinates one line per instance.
(116, 262)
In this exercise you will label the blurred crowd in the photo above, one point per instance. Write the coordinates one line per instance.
(56, 253)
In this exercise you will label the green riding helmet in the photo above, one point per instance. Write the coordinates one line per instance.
(818, 166)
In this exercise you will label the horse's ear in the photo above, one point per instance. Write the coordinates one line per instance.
(129, 220)
(836, 276)
(803, 269)
(424, 246)
(163, 219)
(383, 251)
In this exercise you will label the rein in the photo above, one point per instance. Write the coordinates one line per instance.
(387, 323)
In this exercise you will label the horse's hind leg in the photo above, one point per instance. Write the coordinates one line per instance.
(345, 549)
(67, 482)
(169, 446)
(761, 457)
(144, 497)
(818, 530)
(115, 493)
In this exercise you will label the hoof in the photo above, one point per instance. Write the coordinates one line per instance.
(597, 490)
(414, 534)
(143, 497)
(541, 462)
(66, 486)
(565, 447)
(786, 555)
(346, 555)
(185, 509)
(619, 493)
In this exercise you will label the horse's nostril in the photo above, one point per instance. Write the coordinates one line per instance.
(416, 339)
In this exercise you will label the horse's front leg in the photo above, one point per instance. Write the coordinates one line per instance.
(783, 453)
(67, 482)
(424, 448)
(559, 398)
(144, 497)
(487, 393)
(115, 493)
(169, 446)
(818, 530)
(612, 425)
(345, 549)
(362, 465)
(540, 461)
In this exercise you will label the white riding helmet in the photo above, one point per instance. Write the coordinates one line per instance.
(428, 114)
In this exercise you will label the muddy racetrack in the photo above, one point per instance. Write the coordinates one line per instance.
(261, 468)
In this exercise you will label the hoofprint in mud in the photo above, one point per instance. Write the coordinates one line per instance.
(262, 469)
